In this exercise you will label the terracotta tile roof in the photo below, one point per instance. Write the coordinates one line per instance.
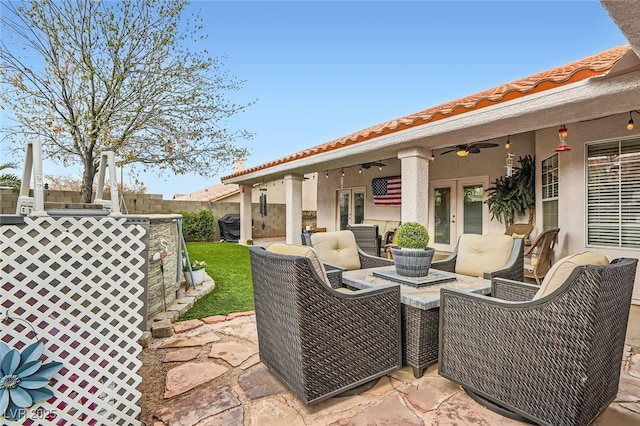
(211, 193)
(573, 72)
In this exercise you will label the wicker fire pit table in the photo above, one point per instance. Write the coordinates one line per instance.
(420, 300)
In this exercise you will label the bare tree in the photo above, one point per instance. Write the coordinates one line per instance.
(71, 183)
(85, 76)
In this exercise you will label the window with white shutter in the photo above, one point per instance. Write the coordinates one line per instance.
(550, 185)
(613, 194)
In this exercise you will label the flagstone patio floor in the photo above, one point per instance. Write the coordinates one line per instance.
(209, 373)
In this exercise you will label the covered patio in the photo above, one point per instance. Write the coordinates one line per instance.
(433, 153)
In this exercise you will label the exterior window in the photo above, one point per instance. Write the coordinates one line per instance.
(472, 218)
(550, 192)
(613, 194)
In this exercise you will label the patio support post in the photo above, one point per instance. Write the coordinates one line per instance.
(293, 200)
(415, 184)
(245, 213)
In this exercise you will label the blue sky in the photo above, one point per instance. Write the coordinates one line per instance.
(322, 70)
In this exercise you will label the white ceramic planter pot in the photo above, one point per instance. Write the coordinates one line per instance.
(198, 277)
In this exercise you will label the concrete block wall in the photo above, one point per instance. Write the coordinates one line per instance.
(148, 204)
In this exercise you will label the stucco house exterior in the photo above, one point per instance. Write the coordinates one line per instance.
(274, 190)
(591, 192)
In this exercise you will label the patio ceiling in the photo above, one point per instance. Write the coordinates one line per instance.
(571, 93)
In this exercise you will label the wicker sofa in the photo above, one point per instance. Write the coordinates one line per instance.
(550, 354)
(386, 229)
(367, 237)
(319, 341)
(486, 256)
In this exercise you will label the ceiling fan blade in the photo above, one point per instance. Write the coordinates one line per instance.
(373, 163)
(483, 145)
(473, 149)
(451, 150)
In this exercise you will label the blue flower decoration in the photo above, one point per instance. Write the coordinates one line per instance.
(23, 378)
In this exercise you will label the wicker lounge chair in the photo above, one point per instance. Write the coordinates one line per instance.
(487, 256)
(367, 238)
(318, 341)
(338, 250)
(553, 359)
(543, 247)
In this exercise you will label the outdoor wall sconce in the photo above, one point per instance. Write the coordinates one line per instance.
(630, 125)
(562, 135)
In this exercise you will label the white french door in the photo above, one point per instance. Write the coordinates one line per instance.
(350, 207)
(456, 206)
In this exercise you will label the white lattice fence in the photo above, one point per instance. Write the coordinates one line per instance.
(78, 281)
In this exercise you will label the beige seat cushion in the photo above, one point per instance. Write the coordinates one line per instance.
(304, 251)
(480, 253)
(561, 270)
(337, 248)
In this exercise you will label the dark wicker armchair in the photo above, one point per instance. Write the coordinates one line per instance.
(497, 256)
(554, 359)
(367, 238)
(338, 250)
(318, 341)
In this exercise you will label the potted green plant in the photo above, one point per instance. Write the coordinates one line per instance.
(198, 272)
(411, 256)
(511, 196)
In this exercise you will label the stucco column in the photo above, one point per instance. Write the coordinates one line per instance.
(414, 164)
(293, 208)
(245, 214)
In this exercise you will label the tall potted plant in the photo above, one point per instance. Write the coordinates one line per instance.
(411, 256)
(511, 196)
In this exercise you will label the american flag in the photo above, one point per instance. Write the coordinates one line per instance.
(387, 191)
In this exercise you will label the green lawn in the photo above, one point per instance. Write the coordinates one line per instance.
(228, 264)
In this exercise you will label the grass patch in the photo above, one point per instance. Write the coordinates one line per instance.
(229, 266)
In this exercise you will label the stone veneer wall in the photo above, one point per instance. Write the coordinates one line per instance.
(162, 286)
(150, 204)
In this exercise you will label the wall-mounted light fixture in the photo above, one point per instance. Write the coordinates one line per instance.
(630, 125)
(507, 144)
(562, 135)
